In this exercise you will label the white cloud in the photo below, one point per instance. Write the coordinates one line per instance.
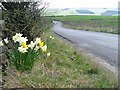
(83, 3)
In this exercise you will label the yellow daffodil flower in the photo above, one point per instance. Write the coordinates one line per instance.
(41, 43)
(24, 45)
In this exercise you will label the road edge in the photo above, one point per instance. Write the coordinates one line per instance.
(94, 58)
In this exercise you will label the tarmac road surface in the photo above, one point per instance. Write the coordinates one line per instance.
(102, 45)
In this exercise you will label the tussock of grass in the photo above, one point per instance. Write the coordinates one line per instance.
(65, 68)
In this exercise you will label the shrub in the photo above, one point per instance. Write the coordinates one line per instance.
(23, 17)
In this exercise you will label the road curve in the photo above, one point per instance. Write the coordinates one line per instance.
(102, 45)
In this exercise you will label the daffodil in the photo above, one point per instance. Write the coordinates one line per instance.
(48, 54)
(51, 37)
(37, 40)
(22, 49)
(41, 43)
(14, 39)
(31, 45)
(44, 48)
(6, 41)
(17, 37)
(24, 45)
(36, 48)
(22, 39)
(1, 43)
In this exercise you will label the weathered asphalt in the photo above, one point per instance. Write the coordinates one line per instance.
(102, 45)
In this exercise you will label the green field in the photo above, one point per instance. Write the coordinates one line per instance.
(107, 24)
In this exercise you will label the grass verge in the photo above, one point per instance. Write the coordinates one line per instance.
(65, 68)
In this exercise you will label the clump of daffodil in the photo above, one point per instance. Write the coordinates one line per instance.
(40, 45)
(25, 53)
(22, 42)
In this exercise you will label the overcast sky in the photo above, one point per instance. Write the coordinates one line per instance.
(82, 3)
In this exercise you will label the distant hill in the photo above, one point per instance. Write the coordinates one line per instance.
(66, 11)
(85, 12)
(110, 13)
(82, 11)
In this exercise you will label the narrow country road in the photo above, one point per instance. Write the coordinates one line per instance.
(102, 45)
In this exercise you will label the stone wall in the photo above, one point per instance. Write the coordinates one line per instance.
(2, 53)
(3, 57)
(0, 57)
(1, 28)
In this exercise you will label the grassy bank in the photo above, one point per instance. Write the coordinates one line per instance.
(107, 24)
(65, 68)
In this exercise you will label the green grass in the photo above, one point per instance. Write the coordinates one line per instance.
(65, 68)
(108, 24)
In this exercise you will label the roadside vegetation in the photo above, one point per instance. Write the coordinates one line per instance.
(107, 24)
(37, 58)
(64, 68)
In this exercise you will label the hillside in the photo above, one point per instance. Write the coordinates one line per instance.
(82, 11)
